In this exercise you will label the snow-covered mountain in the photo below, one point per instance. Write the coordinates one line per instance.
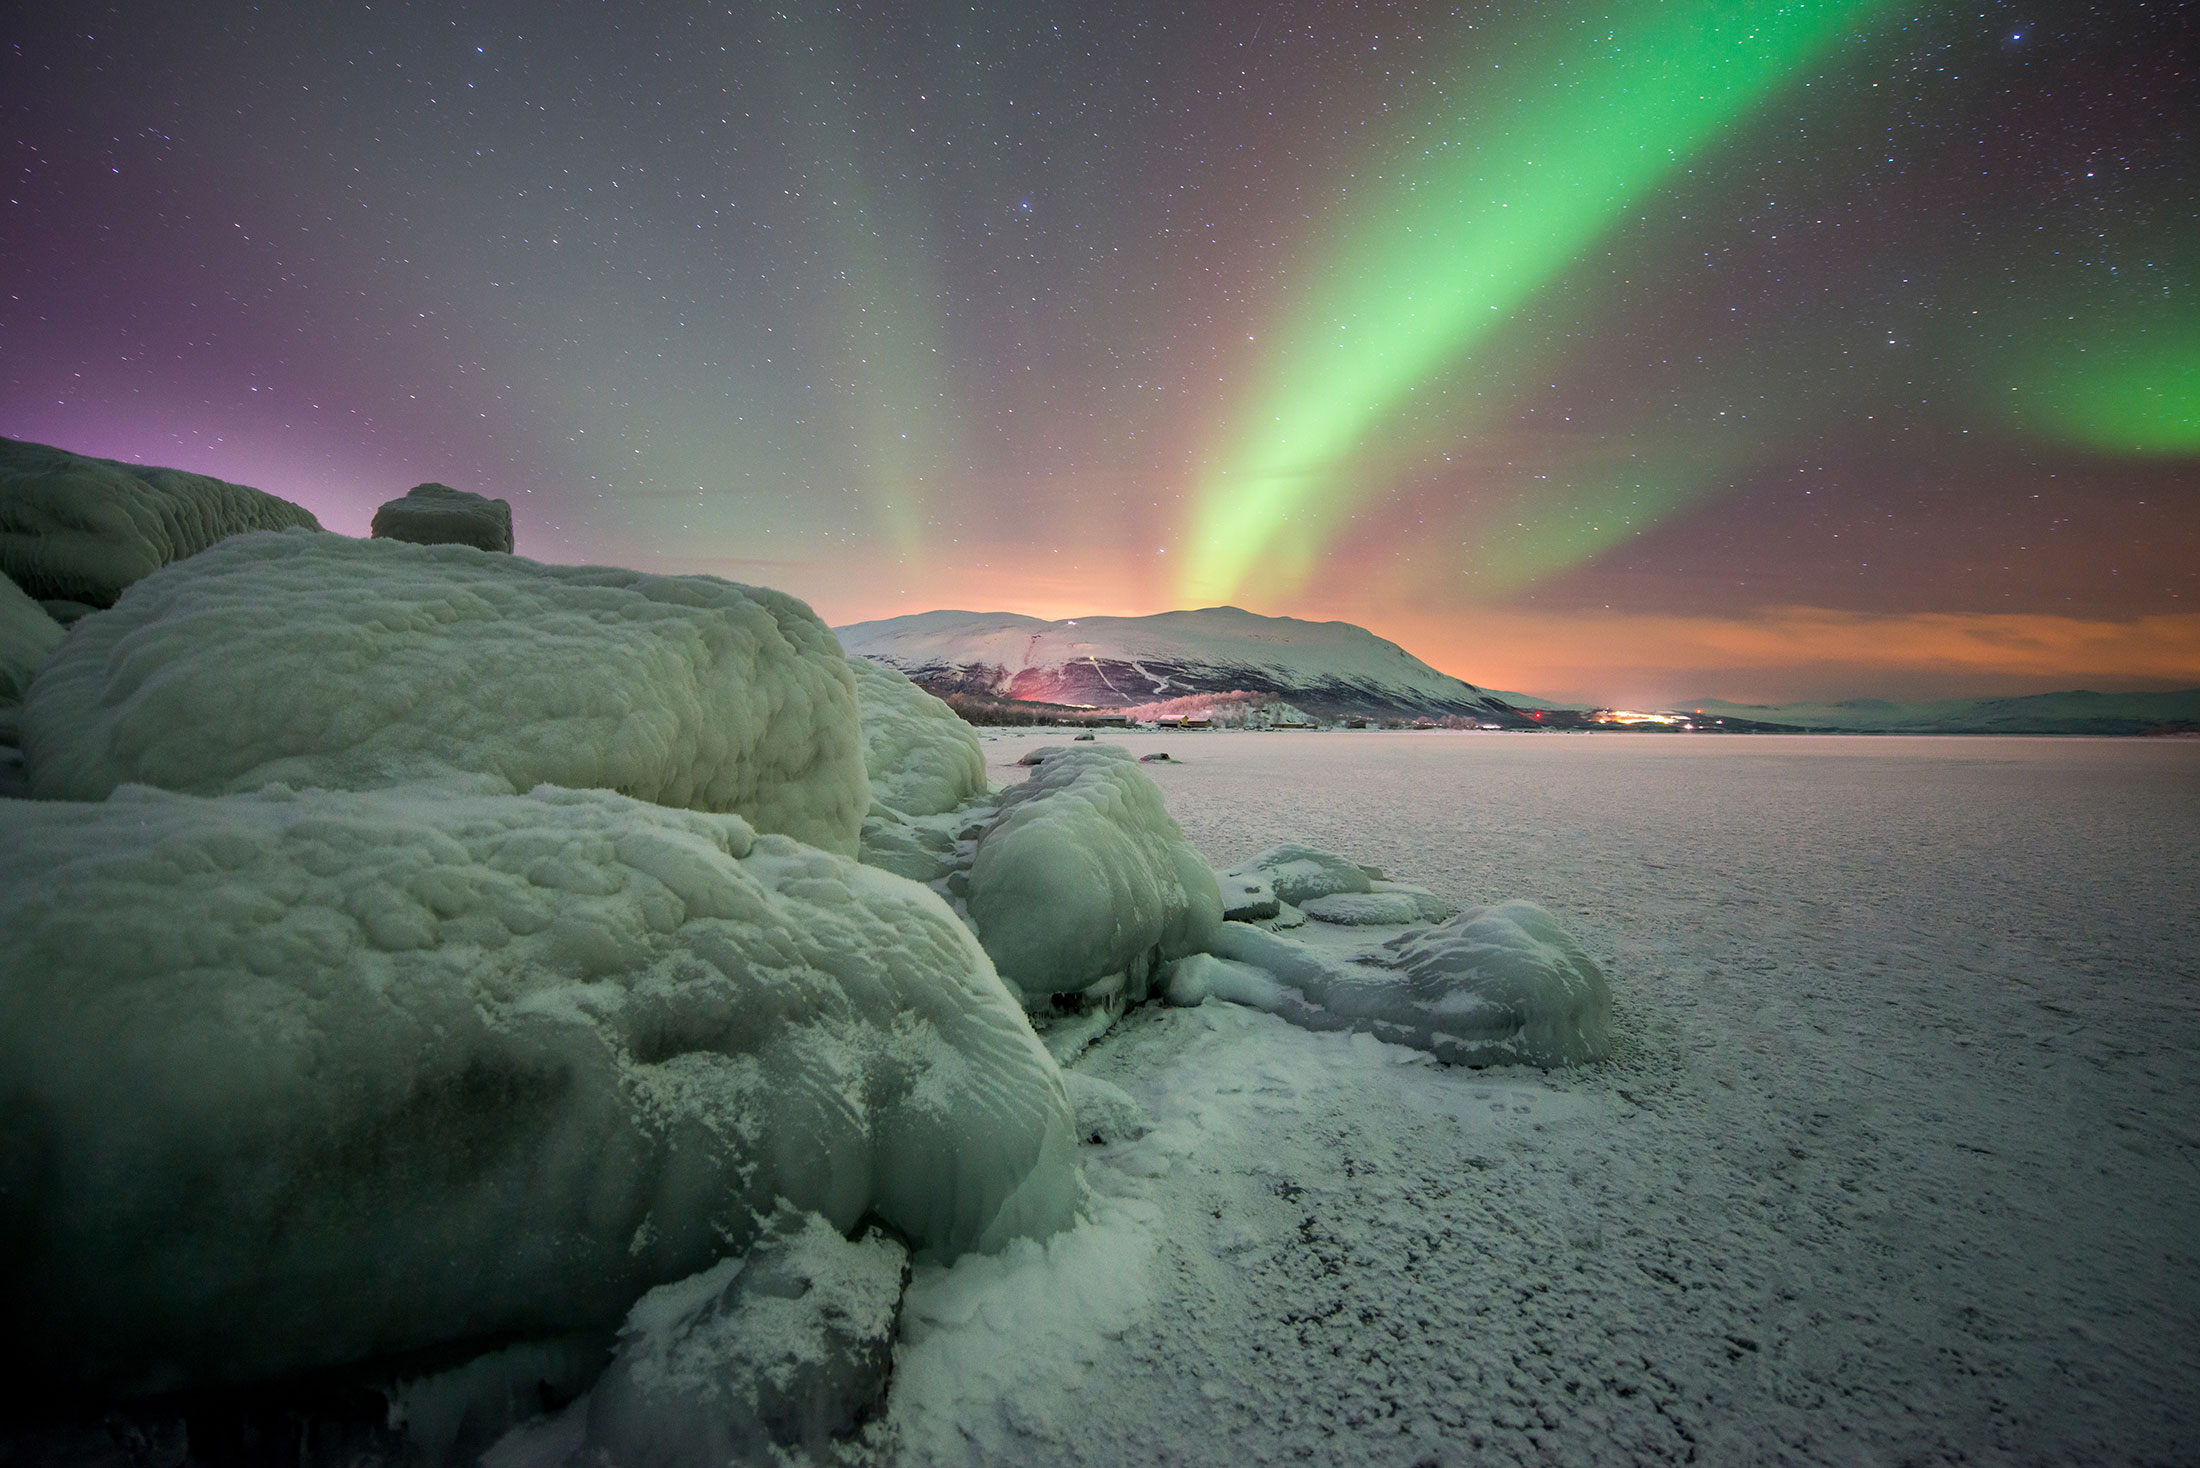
(2077, 712)
(1326, 668)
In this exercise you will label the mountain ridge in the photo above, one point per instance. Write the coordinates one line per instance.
(2072, 711)
(1329, 669)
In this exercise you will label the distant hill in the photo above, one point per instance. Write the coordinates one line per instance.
(2041, 713)
(1328, 669)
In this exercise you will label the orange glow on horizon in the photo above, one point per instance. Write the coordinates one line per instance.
(1596, 659)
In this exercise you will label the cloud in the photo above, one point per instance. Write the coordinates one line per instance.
(1801, 653)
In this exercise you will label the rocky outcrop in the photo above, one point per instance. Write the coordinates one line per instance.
(436, 514)
(77, 529)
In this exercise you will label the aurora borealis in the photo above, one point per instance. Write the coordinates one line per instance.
(1612, 352)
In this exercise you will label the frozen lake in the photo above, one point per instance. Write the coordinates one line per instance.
(1898, 1158)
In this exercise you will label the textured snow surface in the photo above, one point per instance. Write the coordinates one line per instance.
(79, 529)
(1497, 985)
(1082, 875)
(788, 1346)
(294, 1080)
(27, 637)
(321, 660)
(1896, 1159)
(922, 758)
(436, 514)
(1388, 904)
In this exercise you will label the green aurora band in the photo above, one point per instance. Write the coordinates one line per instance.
(2133, 393)
(1468, 232)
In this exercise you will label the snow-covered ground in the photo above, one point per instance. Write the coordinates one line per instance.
(1897, 1159)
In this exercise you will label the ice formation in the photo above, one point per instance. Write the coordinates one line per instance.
(79, 529)
(27, 637)
(787, 1347)
(290, 1079)
(1105, 1112)
(436, 514)
(1298, 874)
(321, 660)
(1082, 877)
(922, 758)
(1495, 985)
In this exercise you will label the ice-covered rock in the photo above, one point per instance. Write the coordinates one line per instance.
(1247, 896)
(1495, 985)
(27, 637)
(1298, 874)
(350, 664)
(1083, 877)
(908, 847)
(294, 1080)
(922, 758)
(67, 612)
(1387, 904)
(448, 1418)
(436, 514)
(79, 529)
(787, 1347)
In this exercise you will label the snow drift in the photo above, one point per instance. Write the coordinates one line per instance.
(922, 759)
(79, 529)
(352, 664)
(1082, 876)
(291, 1080)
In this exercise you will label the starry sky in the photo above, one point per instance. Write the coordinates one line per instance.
(1618, 352)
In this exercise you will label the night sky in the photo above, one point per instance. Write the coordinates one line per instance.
(1619, 352)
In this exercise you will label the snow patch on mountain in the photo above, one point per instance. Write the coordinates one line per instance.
(1121, 662)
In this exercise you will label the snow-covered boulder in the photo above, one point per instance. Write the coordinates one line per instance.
(350, 664)
(1385, 904)
(436, 514)
(1298, 874)
(27, 637)
(290, 1080)
(79, 529)
(788, 1347)
(1105, 1112)
(1083, 876)
(1248, 896)
(1496, 985)
(922, 758)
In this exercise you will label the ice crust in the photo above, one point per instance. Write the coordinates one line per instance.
(436, 514)
(79, 529)
(351, 664)
(294, 1080)
(1083, 876)
(922, 759)
(788, 1347)
(27, 637)
(1498, 985)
